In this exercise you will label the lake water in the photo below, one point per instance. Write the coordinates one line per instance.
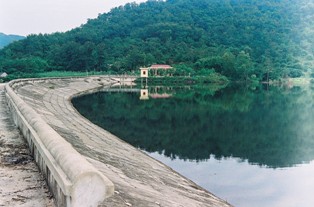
(249, 146)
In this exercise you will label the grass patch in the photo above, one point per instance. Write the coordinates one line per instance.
(183, 80)
(67, 74)
(53, 74)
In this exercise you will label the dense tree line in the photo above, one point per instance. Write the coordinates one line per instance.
(240, 39)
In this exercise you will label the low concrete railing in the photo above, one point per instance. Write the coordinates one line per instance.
(72, 180)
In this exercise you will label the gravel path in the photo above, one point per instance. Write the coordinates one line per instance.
(21, 184)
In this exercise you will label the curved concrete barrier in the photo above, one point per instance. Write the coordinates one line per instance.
(71, 178)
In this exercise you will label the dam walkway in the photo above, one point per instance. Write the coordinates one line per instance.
(139, 180)
(21, 184)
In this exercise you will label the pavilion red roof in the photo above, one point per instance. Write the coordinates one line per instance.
(157, 66)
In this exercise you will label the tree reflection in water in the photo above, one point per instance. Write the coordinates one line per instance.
(266, 127)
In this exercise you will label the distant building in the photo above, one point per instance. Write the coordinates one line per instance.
(144, 72)
(3, 75)
(155, 68)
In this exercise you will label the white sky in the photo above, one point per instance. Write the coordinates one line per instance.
(24, 17)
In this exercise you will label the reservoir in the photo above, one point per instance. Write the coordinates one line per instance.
(249, 146)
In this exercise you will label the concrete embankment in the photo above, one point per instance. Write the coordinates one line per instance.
(21, 184)
(71, 178)
(139, 180)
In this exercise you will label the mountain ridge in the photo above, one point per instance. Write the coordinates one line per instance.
(7, 39)
(240, 39)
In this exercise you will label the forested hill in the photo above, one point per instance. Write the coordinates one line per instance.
(7, 39)
(237, 38)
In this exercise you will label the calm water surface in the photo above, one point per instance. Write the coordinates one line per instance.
(251, 147)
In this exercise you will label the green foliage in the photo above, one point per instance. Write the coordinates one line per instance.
(237, 38)
(52, 74)
(25, 65)
(206, 78)
(183, 70)
(295, 73)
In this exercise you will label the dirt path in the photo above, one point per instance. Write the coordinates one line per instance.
(20, 182)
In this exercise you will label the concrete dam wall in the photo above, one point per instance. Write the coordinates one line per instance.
(85, 165)
(72, 180)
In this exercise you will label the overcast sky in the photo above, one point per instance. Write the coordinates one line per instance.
(24, 17)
